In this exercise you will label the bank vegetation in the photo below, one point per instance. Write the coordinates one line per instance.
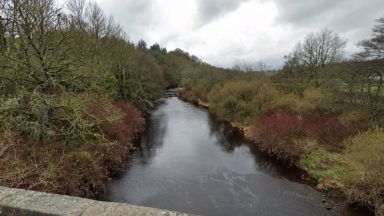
(74, 93)
(321, 112)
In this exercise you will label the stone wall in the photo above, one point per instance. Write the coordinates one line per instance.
(22, 202)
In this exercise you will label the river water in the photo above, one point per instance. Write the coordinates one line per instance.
(191, 163)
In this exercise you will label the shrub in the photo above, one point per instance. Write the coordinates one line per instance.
(312, 99)
(123, 133)
(80, 168)
(241, 101)
(81, 174)
(365, 153)
(278, 132)
(327, 129)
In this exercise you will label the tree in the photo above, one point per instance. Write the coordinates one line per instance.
(142, 44)
(374, 47)
(258, 66)
(155, 47)
(76, 13)
(320, 49)
(313, 54)
(2, 26)
(36, 56)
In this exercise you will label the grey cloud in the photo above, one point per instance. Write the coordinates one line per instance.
(136, 16)
(353, 19)
(213, 9)
(302, 11)
(339, 15)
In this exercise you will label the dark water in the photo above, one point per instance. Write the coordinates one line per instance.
(190, 163)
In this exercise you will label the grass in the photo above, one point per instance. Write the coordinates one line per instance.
(322, 164)
(358, 171)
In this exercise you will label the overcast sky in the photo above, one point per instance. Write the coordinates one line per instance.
(223, 31)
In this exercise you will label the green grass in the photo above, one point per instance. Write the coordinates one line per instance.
(322, 164)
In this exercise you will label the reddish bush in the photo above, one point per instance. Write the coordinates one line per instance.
(124, 132)
(81, 175)
(128, 128)
(277, 132)
(327, 129)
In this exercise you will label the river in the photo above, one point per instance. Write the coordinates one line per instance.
(189, 162)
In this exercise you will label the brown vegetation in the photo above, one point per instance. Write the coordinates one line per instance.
(80, 170)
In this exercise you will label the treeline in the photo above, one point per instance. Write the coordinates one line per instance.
(321, 111)
(73, 90)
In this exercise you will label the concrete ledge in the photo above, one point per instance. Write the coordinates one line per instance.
(30, 203)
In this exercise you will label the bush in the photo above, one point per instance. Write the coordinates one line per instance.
(278, 132)
(312, 99)
(365, 153)
(241, 101)
(79, 168)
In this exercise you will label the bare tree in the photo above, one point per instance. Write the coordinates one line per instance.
(313, 54)
(97, 20)
(76, 13)
(320, 49)
(258, 66)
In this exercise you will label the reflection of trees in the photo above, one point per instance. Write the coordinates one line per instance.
(152, 139)
(225, 134)
(274, 167)
(229, 139)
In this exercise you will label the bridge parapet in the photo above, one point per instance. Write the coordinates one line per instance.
(30, 203)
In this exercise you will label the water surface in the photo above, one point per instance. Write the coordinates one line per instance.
(191, 163)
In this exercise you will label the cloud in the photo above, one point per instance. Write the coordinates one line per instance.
(214, 9)
(135, 16)
(340, 15)
(223, 31)
(353, 19)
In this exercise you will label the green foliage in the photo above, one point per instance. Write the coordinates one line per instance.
(359, 169)
(28, 113)
(322, 164)
(60, 72)
(365, 153)
(242, 101)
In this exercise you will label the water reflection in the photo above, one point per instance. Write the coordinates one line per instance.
(189, 162)
(229, 139)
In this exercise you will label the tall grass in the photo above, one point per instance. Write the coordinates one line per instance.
(365, 152)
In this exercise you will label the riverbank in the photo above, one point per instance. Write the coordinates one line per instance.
(326, 169)
(76, 170)
(190, 161)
